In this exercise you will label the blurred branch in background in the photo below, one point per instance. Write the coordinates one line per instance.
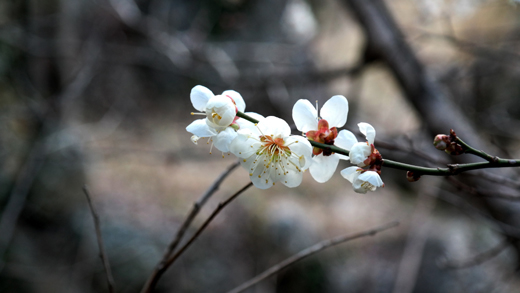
(156, 275)
(162, 265)
(101, 246)
(310, 251)
(475, 260)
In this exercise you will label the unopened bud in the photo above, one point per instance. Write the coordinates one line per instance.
(412, 177)
(441, 141)
(235, 126)
(454, 149)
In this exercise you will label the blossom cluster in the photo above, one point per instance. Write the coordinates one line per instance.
(270, 153)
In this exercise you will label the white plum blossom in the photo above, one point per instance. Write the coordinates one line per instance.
(323, 129)
(271, 154)
(220, 111)
(362, 181)
(360, 152)
(221, 122)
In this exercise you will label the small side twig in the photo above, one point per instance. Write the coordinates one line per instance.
(102, 253)
(153, 280)
(479, 153)
(187, 222)
(310, 251)
(474, 260)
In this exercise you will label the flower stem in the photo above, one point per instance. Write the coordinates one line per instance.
(242, 115)
(334, 149)
(470, 150)
(452, 169)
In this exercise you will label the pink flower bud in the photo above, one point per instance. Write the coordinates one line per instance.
(441, 141)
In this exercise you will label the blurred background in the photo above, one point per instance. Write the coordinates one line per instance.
(96, 92)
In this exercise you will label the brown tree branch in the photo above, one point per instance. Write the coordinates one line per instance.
(476, 259)
(187, 222)
(102, 252)
(310, 251)
(156, 276)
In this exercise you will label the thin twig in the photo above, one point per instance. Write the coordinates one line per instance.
(476, 259)
(153, 280)
(471, 150)
(102, 253)
(310, 251)
(187, 222)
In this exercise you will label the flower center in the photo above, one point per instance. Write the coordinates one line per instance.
(277, 145)
(368, 186)
(214, 115)
(276, 159)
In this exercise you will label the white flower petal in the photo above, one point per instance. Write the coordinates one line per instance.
(259, 178)
(373, 178)
(247, 163)
(220, 111)
(300, 146)
(359, 153)
(195, 139)
(239, 101)
(224, 139)
(274, 126)
(323, 167)
(244, 146)
(200, 96)
(201, 129)
(305, 116)
(335, 111)
(343, 157)
(345, 140)
(292, 178)
(350, 173)
(358, 187)
(368, 131)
